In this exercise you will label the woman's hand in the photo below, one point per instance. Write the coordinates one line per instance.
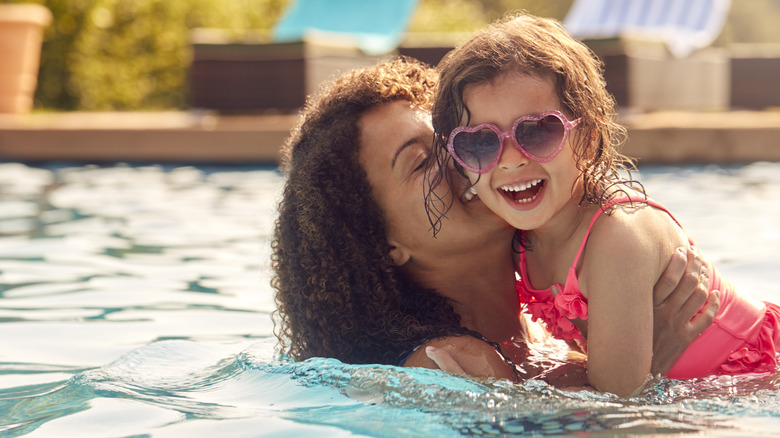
(677, 297)
(464, 355)
(573, 375)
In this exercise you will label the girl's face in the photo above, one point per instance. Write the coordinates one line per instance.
(524, 192)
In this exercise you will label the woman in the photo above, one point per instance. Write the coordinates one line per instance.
(359, 276)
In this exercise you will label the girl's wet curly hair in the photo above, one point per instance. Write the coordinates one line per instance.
(338, 293)
(541, 47)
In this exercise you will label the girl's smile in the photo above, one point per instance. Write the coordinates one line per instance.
(523, 195)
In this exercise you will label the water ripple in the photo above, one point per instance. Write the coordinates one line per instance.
(134, 301)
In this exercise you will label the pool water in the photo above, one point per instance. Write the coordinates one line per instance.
(135, 301)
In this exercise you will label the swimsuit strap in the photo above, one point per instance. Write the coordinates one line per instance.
(610, 203)
(654, 204)
(587, 234)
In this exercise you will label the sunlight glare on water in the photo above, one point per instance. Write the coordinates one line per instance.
(135, 301)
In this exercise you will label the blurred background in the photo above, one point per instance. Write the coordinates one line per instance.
(223, 80)
(136, 54)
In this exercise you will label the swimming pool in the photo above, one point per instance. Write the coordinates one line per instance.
(134, 301)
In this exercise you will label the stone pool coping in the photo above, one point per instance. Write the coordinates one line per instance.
(667, 137)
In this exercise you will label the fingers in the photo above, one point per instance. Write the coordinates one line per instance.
(670, 278)
(698, 296)
(700, 322)
(444, 360)
(681, 280)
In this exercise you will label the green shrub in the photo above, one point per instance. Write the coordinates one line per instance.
(134, 54)
(55, 78)
(131, 54)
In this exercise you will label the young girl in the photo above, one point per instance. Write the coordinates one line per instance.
(523, 110)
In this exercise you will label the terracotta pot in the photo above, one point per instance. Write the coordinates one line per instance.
(21, 35)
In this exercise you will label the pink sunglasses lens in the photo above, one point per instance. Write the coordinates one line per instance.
(541, 138)
(476, 149)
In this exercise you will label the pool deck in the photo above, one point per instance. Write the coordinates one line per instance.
(203, 136)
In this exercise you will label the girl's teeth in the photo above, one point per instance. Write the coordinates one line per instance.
(521, 187)
(520, 193)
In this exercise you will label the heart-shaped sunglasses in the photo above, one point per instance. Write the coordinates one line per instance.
(540, 137)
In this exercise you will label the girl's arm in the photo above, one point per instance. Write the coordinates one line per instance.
(625, 256)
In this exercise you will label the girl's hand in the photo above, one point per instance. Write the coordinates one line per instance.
(677, 297)
(464, 355)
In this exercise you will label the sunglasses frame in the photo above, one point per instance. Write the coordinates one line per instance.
(568, 125)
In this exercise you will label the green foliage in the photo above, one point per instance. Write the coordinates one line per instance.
(469, 15)
(547, 8)
(448, 16)
(128, 58)
(753, 21)
(132, 54)
(55, 78)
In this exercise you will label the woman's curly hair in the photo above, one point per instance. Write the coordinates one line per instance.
(338, 293)
(541, 47)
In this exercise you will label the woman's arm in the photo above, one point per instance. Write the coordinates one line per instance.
(465, 355)
(677, 297)
(475, 358)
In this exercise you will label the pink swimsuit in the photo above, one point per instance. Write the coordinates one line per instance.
(744, 336)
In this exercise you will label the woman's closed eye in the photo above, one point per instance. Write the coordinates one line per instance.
(421, 162)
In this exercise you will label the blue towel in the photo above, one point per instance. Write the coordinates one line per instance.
(377, 26)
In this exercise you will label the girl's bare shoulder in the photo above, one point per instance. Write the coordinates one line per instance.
(636, 220)
(635, 234)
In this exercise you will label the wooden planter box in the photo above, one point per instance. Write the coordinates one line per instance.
(643, 75)
(755, 72)
(253, 75)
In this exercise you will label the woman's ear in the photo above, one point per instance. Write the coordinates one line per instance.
(399, 253)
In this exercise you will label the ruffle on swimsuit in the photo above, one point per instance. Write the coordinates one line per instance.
(743, 338)
(759, 356)
(555, 311)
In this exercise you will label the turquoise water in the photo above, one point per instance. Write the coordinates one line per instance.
(134, 301)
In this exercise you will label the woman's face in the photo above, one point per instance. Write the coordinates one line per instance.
(395, 142)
